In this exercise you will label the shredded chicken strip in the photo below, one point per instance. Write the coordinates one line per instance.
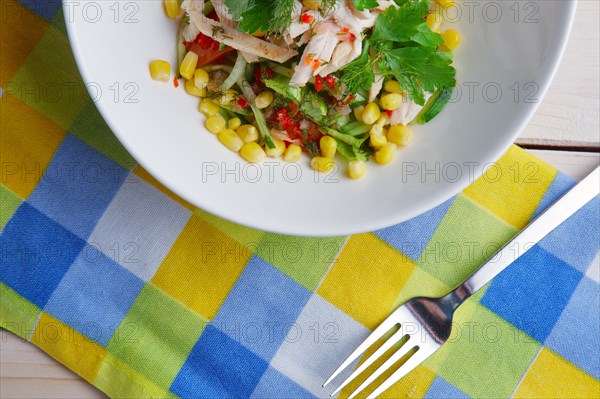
(226, 18)
(376, 87)
(232, 37)
(320, 48)
(407, 112)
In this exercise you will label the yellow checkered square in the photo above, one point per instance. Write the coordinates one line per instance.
(551, 376)
(66, 345)
(513, 187)
(20, 30)
(27, 144)
(202, 267)
(366, 279)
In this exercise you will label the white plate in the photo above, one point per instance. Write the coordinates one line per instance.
(508, 46)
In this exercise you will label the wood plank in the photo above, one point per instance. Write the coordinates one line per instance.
(574, 164)
(568, 116)
(27, 372)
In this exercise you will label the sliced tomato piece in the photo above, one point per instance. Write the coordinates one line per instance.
(208, 50)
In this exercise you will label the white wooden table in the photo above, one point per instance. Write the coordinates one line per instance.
(565, 132)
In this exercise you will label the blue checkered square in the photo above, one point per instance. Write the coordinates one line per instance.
(559, 186)
(35, 253)
(576, 335)
(533, 292)
(261, 308)
(44, 8)
(440, 389)
(577, 240)
(94, 295)
(77, 186)
(412, 236)
(218, 367)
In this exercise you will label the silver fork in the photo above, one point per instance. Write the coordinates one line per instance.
(430, 319)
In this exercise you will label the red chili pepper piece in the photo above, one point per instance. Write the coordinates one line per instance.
(318, 83)
(330, 80)
(306, 18)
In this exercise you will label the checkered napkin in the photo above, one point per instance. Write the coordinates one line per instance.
(145, 296)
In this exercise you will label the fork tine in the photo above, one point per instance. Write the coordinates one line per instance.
(371, 359)
(403, 350)
(371, 339)
(416, 359)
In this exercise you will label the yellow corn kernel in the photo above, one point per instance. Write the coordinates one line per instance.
(391, 101)
(160, 70)
(434, 21)
(376, 130)
(451, 39)
(277, 151)
(392, 86)
(208, 107)
(312, 4)
(201, 78)
(328, 147)
(371, 113)
(191, 88)
(230, 140)
(215, 124)
(356, 169)
(358, 112)
(386, 154)
(234, 123)
(227, 97)
(293, 153)
(400, 135)
(247, 133)
(172, 8)
(188, 65)
(377, 141)
(264, 99)
(252, 152)
(383, 120)
(446, 3)
(322, 164)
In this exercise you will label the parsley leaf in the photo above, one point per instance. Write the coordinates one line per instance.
(237, 7)
(362, 5)
(420, 68)
(359, 73)
(261, 15)
(406, 24)
(327, 6)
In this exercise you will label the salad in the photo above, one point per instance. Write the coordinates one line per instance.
(279, 78)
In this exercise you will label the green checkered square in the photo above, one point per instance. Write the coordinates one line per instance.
(91, 128)
(467, 236)
(49, 80)
(421, 283)
(304, 259)
(485, 356)
(58, 21)
(156, 335)
(17, 314)
(9, 202)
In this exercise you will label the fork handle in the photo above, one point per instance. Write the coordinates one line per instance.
(550, 219)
